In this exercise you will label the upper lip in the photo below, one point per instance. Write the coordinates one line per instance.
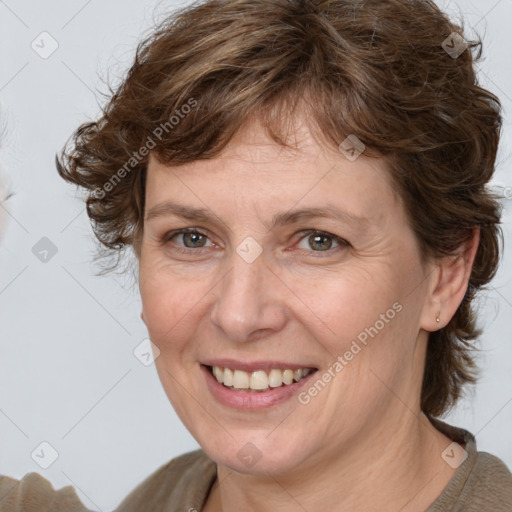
(252, 366)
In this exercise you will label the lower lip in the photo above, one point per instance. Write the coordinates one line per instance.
(252, 400)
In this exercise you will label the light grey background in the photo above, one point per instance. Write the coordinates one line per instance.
(67, 372)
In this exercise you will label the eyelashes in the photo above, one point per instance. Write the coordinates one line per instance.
(311, 237)
(190, 231)
(315, 236)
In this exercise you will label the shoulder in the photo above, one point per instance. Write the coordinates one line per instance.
(33, 493)
(481, 481)
(181, 483)
(490, 483)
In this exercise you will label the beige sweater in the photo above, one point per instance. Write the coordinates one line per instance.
(35, 494)
(482, 483)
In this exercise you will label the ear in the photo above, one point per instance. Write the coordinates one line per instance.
(142, 316)
(448, 285)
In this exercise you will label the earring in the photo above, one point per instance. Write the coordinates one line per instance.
(437, 319)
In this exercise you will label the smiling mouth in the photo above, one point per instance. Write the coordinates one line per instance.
(260, 380)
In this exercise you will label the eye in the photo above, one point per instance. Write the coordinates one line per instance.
(315, 241)
(190, 238)
(320, 241)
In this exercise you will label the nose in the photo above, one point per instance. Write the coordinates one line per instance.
(250, 301)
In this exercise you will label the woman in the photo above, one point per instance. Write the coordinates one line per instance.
(304, 186)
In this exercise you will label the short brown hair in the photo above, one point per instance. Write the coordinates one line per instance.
(376, 69)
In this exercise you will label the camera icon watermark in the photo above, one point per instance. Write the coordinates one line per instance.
(249, 250)
(146, 352)
(249, 454)
(44, 250)
(45, 45)
(44, 455)
(454, 455)
(352, 148)
(454, 45)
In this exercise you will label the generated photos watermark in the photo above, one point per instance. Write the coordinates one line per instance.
(138, 156)
(355, 348)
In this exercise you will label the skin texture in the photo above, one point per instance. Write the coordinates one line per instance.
(362, 443)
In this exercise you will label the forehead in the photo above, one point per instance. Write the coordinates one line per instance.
(254, 175)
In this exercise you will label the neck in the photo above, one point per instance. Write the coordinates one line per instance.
(385, 471)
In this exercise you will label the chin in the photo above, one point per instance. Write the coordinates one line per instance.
(256, 455)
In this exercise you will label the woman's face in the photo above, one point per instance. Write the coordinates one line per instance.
(262, 287)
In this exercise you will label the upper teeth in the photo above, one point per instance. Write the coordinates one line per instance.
(258, 380)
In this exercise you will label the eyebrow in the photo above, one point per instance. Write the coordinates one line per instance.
(279, 219)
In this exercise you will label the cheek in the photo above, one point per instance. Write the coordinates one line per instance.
(365, 315)
(169, 306)
(345, 302)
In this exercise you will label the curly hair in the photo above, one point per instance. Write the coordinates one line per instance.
(398, 74)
